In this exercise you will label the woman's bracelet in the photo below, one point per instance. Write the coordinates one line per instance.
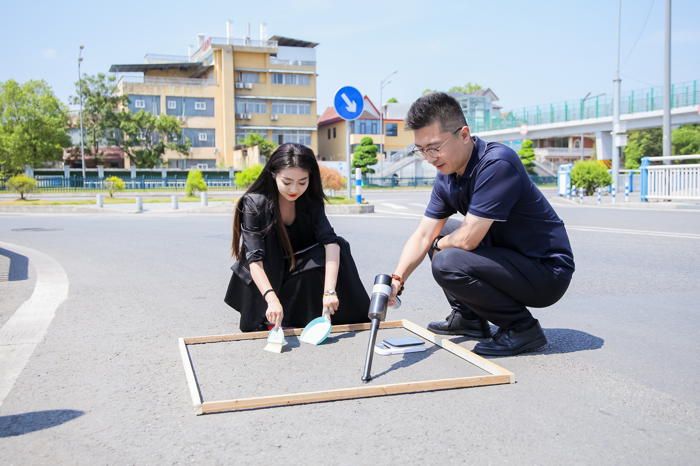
(265, 293)
(401, 282)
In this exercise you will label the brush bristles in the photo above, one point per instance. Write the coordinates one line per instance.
(274, 347)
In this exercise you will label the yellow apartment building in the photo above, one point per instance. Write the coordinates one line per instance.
(227, 89)
(331, 131)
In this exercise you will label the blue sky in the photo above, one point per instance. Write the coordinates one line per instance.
(529, 53)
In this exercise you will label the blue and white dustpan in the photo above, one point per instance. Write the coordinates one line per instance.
(318, 329)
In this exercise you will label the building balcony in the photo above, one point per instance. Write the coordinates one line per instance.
(166, 81)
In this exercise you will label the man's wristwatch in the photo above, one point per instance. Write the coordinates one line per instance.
(435, 243)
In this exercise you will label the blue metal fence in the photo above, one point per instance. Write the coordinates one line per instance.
(76, 183)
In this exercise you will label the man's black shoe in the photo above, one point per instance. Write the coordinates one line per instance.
(458, 325)
(512, 342)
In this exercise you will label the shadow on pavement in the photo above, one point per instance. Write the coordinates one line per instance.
(19, 266)
(559, 341)
(20, 424)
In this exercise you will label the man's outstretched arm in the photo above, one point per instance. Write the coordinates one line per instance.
(415, 250)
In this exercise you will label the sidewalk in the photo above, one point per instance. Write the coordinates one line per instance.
(632, 203)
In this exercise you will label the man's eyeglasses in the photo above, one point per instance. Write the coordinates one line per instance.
(435, 153)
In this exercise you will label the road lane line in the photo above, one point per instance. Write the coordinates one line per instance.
(27, 327)
(394, 206)
(422, 206)
(633, 232)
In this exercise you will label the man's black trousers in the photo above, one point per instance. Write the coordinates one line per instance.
(496, 284)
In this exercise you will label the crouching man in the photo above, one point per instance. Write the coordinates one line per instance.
(511, 251)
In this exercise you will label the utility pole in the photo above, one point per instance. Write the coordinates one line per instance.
(667, 85)
(381, 111)
(80, 87)
(616, 106)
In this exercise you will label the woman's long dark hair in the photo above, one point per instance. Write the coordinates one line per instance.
(285, 156)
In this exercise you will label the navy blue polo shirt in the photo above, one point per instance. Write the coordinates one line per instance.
(496, 186)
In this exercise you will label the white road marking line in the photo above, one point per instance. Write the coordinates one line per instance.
(27, 327)
(397, 213)
(394, 206)
(422, 206)
(633, 232)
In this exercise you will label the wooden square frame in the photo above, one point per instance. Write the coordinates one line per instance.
(497, 374)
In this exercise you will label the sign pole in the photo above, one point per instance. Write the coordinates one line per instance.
(347, 144)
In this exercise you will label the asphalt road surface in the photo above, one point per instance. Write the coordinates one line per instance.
(616, 384)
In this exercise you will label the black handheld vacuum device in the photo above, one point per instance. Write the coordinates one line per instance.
(377, 312)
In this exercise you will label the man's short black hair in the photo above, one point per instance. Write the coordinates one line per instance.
(432, 107)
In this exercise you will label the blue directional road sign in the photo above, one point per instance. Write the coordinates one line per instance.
(348, 103)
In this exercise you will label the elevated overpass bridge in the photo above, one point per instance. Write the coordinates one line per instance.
(640, 109)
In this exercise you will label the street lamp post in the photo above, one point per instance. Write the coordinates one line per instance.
(80, 86)
(616, 106)
(382, 85)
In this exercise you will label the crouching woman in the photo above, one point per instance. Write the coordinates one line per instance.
(290, 265)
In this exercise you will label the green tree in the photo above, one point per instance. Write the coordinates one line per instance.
(590, 175)
(642, 143)
(466, 89)
(114, 184)
(686, 141)
(246, 177)
(100, 102)
(144, 137)
(265, 147)
(527, 156)
(365, 155)
(392, 101)
(195, 183)
(32, 125)
(21, 184)
(428, 90)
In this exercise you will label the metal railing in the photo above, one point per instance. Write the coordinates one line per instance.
(59, 184)
(680, 182)
(231, 41)
(152, 58)
(165, 81)
(642, 100)
(395, 162)
(277, 61)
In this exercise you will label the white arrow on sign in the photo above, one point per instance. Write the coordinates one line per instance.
(351, 105)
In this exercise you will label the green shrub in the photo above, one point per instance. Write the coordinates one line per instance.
(246, 177)
(590, 175)
(114, 184)
(195, 183)
(21, 184)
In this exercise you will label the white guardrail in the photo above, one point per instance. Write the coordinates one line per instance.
(679, 182)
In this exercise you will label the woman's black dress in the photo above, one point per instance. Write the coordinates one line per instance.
(299, 290)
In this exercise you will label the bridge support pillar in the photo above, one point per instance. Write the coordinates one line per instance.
(603, 145)
(418, 168)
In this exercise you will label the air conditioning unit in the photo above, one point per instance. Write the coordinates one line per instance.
(240, 85)
(202, 166)
(240, 116)
(182, 119)
(216, 150)
(247, 116)
(248, 85)
(273, 117)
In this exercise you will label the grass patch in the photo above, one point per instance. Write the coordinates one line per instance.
(109, 200)
(341, 200)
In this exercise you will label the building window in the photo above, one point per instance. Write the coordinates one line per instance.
(366, 127)
(333, 132)
(253, 78)
(172, 104)
(291, 79)
(329, 133)
(392, 129)
(202, 136)
(251, 106)
(200, 105)
(285, 136)
(140, 104)
(291, 107)
(243, 133)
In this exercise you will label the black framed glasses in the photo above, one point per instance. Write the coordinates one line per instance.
(435, 153)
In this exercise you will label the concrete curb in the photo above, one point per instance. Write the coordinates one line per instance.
(58, 209)
(627, 205)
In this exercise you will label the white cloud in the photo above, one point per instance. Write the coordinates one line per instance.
(49, 53)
